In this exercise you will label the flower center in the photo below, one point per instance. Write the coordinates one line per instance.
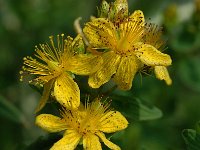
(123, 46)
(87, 120)
(129, 35)
(54, 66)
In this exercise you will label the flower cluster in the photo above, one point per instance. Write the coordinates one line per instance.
(116, 46)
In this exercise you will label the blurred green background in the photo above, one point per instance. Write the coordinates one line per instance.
(26, 23)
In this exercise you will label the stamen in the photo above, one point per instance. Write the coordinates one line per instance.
(153, 36)
(131, 32)
(48, 60)
(86, 120)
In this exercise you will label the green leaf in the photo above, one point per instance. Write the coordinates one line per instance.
(10, 111)
(192, 139)
(135, 108)
(148, 112)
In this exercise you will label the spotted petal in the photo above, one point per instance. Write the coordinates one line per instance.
(113, 121)
(91, 142)
(50, 123)
(83, 64)
(126, 71)
(100, 33)
(109, 67)
(150, 56)
(107, 142)
(68, 142)
(67, 92)
(162, 74)
(137, 16)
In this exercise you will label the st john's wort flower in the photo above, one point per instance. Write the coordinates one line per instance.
(53, 66)
(86, 125)
(125, 52)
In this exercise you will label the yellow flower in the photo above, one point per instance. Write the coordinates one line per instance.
(54, 66)
(85, 125)
(153, 37)
(125, 52)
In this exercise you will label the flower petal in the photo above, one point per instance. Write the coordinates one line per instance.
(150, 56)
(100, 33)
(69, 141)
(67, 92)
(109, 67)
(126, 72)
(162, 74)
(50, 123)
(107, 142)
(113, 121)
(83, 64)
(45, 95)
(91, 142)
(137, 16)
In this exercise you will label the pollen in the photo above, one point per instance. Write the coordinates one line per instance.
(153, 36)
(87, 120)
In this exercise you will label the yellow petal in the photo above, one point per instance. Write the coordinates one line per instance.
(83, 64)
(107, 142)
(150, 56)
(113, 121)
(126, 72)
(45, 95)
(91, 142)
(50, 123)
(100, 33)
(109, 67)
(69, 141)
(67, 92)
(137, 16)
(162, 74)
